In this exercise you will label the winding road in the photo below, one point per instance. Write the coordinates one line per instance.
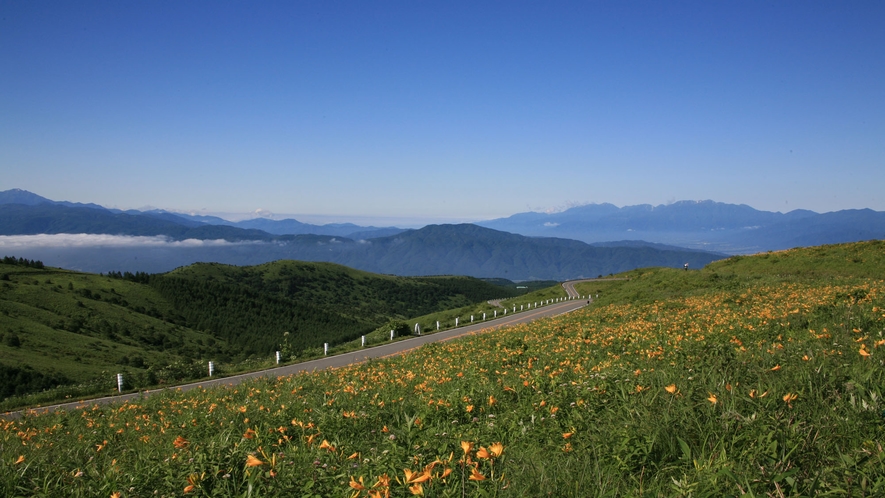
(341, 360)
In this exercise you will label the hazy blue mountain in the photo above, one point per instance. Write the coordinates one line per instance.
(46, 218)
(705, 225)
(32, 217)
(19, 196)
(291, 226)
(433, 250)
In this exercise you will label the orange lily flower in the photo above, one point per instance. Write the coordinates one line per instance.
(251, 461)
(359, 486)
(496, 449)
(476, 476)
(712, 398)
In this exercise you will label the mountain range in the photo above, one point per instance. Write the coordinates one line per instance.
(585, 241)
(708, 225)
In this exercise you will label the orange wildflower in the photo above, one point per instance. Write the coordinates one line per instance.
(359, 486)
(467, 446)
(775, 368)
(251, 461)
(417, 489)
(180, 442)
(712, 398)
(20, 459)
(483, 453)
(416, 477)
(476, 476)
(496, 449)
(671, 389)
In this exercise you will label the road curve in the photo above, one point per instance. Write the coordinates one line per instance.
(337, 361)
(569, 285)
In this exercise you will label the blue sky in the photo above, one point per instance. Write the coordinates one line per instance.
(443, 111)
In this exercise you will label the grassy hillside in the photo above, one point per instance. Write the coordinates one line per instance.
(735, 380)
(59, 327)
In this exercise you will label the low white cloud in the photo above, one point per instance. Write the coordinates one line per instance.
(551, 224)
(75, 240)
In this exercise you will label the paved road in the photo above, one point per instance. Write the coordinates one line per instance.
(569, 286)
(389, 349)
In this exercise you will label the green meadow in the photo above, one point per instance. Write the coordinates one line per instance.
(755, 376)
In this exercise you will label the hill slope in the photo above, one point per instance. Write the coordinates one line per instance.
(757, 376)
(64, 327)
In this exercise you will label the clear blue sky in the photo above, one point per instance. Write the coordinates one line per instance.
(443, 110)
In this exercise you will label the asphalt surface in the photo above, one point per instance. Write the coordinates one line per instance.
(338, 361)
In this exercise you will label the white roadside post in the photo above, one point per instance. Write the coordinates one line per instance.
(279, 357)
(364, 341)
(391, 335)
(437, 325)
(417, 329)
(483, 316)
(325, 349)
(211, 368)
(456, 322)
(496, 314)
(120, 383)
(471, 318)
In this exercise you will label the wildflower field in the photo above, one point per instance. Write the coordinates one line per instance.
(745, 378)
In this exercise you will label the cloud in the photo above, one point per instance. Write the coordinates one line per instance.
(82, 240)
(551, 224)
(262, 213)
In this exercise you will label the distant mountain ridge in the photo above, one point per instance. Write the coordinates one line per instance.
(708, 225)
(26, 213)
(524, 246)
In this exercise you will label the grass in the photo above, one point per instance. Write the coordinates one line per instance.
(767, 383)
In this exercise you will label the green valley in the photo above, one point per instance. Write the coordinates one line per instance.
(66, 328)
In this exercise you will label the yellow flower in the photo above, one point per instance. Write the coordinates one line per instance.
(789, 398)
